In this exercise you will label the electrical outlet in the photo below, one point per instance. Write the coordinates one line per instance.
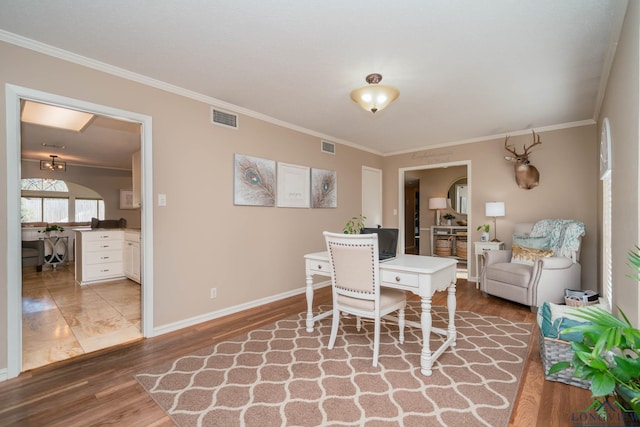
(214, 292)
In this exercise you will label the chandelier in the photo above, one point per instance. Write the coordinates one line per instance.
(374, 97)
(53, 165)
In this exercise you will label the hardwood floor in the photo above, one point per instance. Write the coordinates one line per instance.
(99, 388)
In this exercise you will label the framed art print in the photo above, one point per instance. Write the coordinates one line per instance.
(324, 188)
(254, 181)
(293, 186)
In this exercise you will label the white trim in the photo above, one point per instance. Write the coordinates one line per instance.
(497, 136)
(192, 321)
(401, 224)
(3, 375)
(13, 95)
(139, 78)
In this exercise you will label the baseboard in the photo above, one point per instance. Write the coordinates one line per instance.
(171, 327)
(4, 374)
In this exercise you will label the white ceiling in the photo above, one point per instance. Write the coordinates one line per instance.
(466, 69)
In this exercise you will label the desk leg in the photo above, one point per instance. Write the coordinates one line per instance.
(451, 307)
(426, 358)
(309, 303)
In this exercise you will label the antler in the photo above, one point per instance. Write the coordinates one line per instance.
(509, 148)
(526, 149)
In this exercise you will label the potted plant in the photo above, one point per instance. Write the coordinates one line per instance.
(609, 353)
(449, 217)
(51, 229)
(485, 232)
(354, 225)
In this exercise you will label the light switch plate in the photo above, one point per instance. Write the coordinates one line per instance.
(162, 200)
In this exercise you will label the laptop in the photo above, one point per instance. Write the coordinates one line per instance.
(387, 241)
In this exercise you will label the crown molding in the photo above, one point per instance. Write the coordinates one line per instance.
(65, 55)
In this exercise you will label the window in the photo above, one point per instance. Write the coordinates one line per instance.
(44, 209)
(607, 280)
(39, 184)
(605, 177)
(52, 200)
(89, 208)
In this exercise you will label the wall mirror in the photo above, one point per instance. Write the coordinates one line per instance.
(458, 195)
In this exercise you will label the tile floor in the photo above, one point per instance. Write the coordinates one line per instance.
(61, 319)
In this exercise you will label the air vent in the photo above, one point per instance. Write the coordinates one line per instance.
(223, 118)
(327, 147)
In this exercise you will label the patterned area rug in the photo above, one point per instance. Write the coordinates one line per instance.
(280, 375)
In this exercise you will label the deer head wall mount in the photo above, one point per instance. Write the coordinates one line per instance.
(527, 176)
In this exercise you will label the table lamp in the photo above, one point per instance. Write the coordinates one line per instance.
(437, 203)
(494, 209)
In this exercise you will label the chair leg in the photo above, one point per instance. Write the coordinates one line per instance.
(401, 324)
(358, 323)
(376, 341)
(334, 328)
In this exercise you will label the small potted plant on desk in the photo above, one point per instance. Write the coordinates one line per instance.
(354, 225)
(609, 353)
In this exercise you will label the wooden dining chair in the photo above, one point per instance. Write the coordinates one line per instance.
(355, 282)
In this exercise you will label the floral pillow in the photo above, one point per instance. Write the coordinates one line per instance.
(527, 249)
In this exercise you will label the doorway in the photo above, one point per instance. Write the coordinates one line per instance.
(446, 178)
(14, 96)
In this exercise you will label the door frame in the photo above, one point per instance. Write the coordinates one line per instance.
(401, 218)
(14, 94)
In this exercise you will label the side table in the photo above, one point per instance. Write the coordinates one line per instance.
(479, 248)
(58, 246)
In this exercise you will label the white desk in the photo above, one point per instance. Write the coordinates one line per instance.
(421, 275)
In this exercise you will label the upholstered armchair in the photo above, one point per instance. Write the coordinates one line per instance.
(33, 253)
(542, 263)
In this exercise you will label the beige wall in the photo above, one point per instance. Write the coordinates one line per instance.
(201, 240)
(622, 107)
(568, 165)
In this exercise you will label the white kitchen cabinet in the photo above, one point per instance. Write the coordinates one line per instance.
(131, 255)
(98, 255)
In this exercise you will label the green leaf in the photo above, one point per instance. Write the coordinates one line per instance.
(602, 385)
(557, 367)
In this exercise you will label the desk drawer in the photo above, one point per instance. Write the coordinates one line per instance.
(405, 279)
(319, 267)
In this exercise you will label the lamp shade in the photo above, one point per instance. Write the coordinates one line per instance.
(494, 209)
(437, 203)
(374, 97)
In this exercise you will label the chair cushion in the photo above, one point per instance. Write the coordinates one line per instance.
(391, 297)
(387, 297)
(512, 273)
(29, 253)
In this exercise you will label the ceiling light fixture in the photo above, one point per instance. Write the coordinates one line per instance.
(54, 116)
(53, 165)
(374, 97)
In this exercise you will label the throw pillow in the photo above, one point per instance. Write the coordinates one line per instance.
(542, 242)
(527, 249)
(524, 255)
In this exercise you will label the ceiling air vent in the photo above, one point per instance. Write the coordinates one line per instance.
(223, 118)
(327, 147)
